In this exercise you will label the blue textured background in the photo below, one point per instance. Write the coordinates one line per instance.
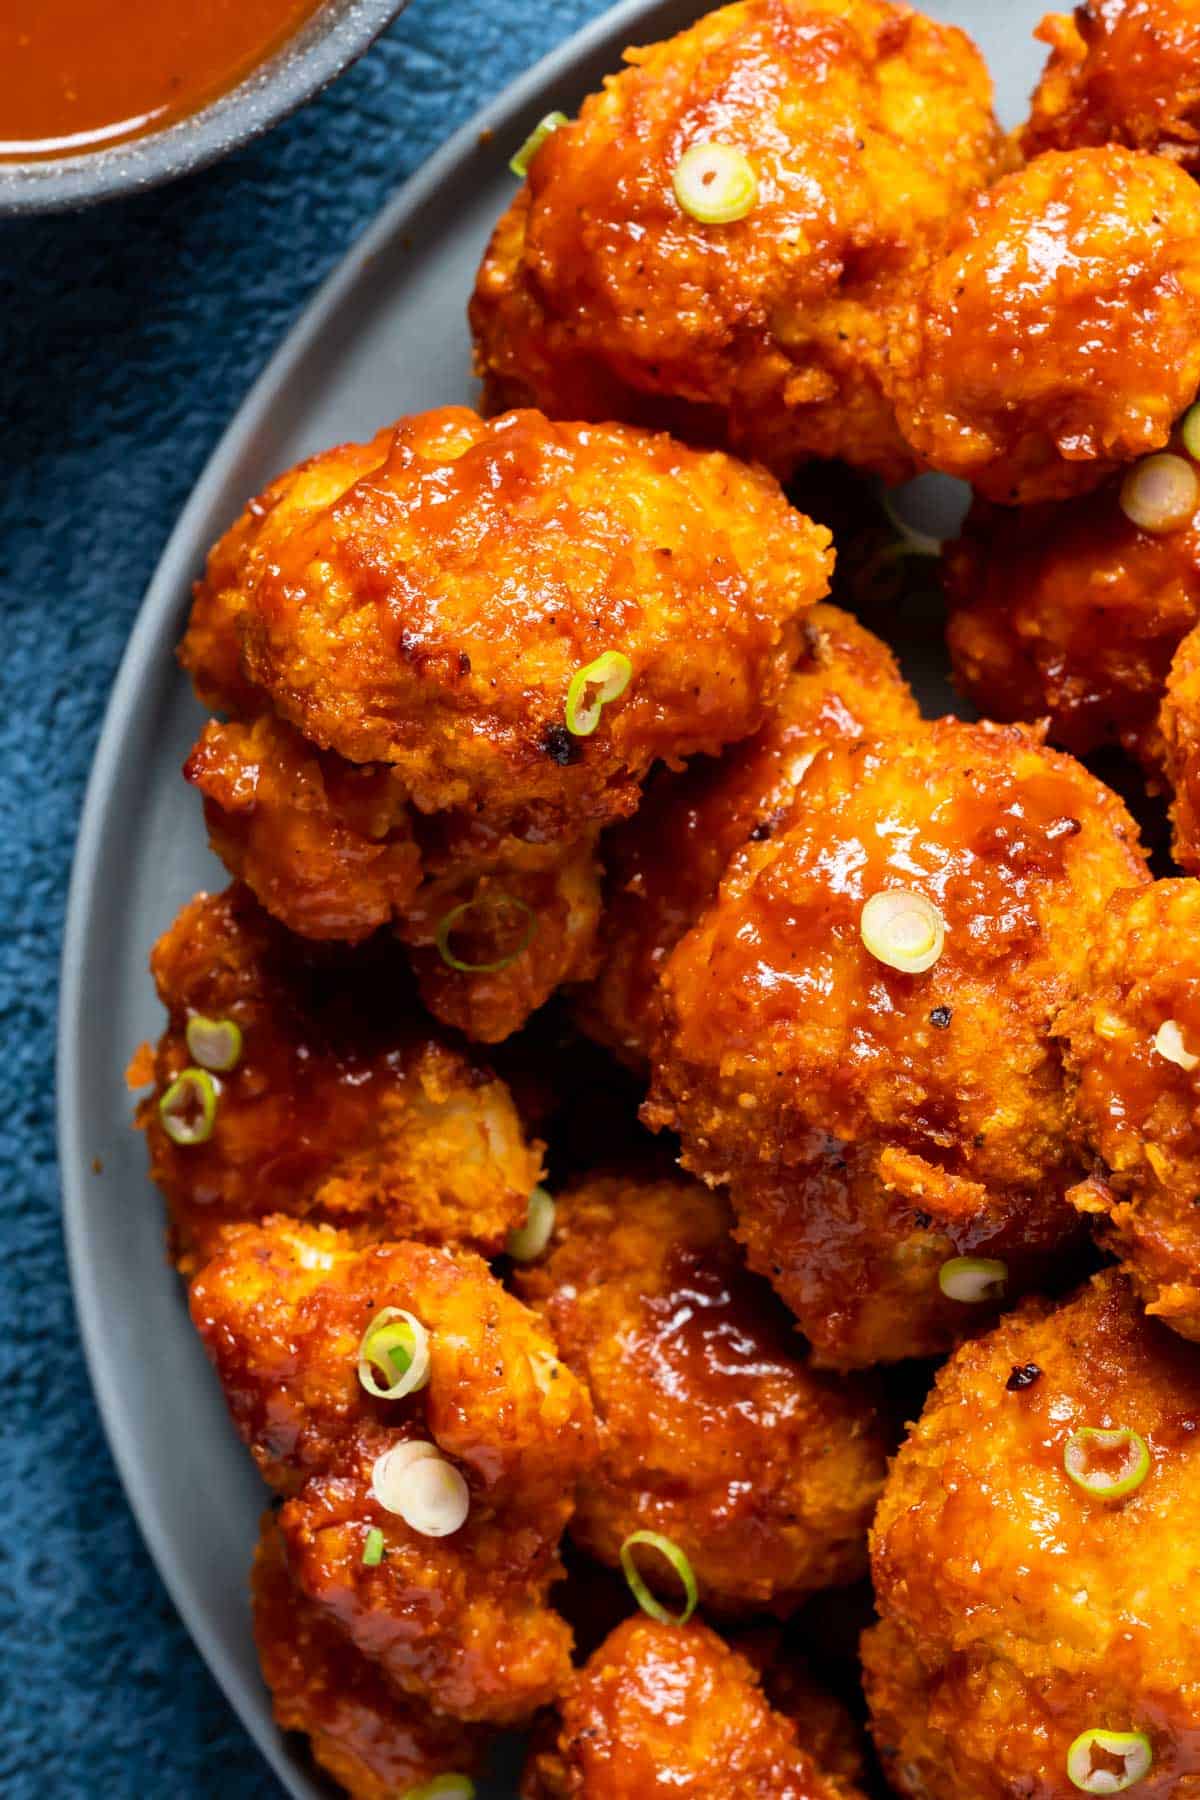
(128, 336)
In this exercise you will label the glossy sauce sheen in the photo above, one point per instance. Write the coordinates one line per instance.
(76, 75)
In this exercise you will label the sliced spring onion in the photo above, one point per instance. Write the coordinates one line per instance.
(528, 1241)
(391, 1467)
(425, 1490)
(1107, 1482)
(533, 143)
(1168, 1041)
(654, 1540)
(591, 689)
(397, 1344)
(1189, 431)
(453, 921)
(973, 1278)
(715, 183)
(1161, 493)
(373, 1549)
(214, 1043)
(188, 1109)
(1108, 1762)
(443, 1787)
(903, 929)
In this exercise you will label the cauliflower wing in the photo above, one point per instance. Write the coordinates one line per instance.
(805, 1072)
(1019, 1611)
(373, 1740)
(1132, 1048)
(672, 1710)
(343, 1108)
(867, 126)
(460, 1620)
(712, 1428)
(1120, 72)
(1073, 615)
(1091, 255)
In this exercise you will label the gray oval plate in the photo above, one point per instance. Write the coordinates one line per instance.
(385, 335)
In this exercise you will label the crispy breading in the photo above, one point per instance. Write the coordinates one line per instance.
(343, 1108)
(396, 628)
(1137, 1111)
(664, 865)
(713, 1429)
(326, 844)
(1120, 72)
(1072, 614)
(867, 126)
(374, 1741)
(1179, 722)
(855, 1240)
(1018, 1610)
(460, 1621)
(1094, 257)
(672, 1710)
(787, 1043)
(429, 609)
(782, 1026)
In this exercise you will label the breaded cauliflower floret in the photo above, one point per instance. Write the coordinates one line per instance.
(458, 1620)
(1132, 1046)
(1073, 613)
(1020, 1611)
(1179, 722)
(1120, 72)
(373, 1740)
(1057, 335)
(855, 1242)
(672, 1710)
(713, 1430)
(401, 629)
(326, 844)
(664, 865)
(792, 1056)
(429, 610)
(866, 126)
(342, 1107)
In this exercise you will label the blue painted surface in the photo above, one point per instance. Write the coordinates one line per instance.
(128, 335)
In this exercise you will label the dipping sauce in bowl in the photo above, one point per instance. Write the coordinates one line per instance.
(80, 75)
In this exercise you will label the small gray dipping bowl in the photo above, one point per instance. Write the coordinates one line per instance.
(337, 33)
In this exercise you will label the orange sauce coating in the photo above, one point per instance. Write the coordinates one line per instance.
(76, 75)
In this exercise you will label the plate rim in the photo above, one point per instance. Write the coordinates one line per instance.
(152, 638)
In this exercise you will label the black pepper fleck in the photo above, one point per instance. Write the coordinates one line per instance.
(941, 1017)
(1023, 1375)
(560, 746)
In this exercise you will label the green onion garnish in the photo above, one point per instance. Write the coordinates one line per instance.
(1189, 431)
(214, 1043)
(591, 689)
(443, 1787)
(527, 1241)
(1161, 493)
(973, 1278)
(1108, 1762)
(533, 143)
(903, 929)
(397, 1344)
(1102, 1482)
(715, 183)
(422, 1488)
(188, 1109)
(1169, 1042)
(453, 921)
(654, 1540)
(373, 1551)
